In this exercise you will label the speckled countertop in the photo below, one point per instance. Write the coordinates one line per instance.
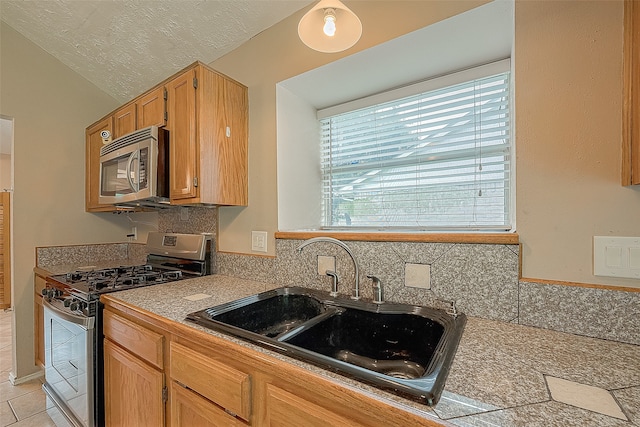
(502, 375)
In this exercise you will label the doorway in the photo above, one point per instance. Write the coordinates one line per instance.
(6, 189)
(5, 250)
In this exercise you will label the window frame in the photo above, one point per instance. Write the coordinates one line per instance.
(429, 85)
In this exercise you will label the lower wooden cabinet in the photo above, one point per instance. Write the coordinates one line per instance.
(213, 382)
(222, 384)
(284, 409)
(133, 389)
(189, 409)
(38, 320)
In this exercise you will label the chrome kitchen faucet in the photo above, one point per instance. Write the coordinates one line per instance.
(356, 290)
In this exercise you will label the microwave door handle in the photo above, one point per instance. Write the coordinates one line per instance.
(134, 156)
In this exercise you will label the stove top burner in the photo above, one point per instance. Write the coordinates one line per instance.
(95, 282)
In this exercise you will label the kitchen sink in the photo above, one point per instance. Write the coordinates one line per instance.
(403, 348)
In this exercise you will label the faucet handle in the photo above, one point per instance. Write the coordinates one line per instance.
(378, 293)
(334, 286)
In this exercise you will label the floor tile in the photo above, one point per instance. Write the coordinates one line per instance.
(584, 396)
(6, 415)
(41, 419)
(9, 391)
(29, 404)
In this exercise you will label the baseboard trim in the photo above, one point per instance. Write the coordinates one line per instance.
(17, 381)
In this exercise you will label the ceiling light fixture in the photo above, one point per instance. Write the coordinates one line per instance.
(330, 27)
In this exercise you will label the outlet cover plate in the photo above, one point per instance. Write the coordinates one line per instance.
(259, 241)
(616, 256)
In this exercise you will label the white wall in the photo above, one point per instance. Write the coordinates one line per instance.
(568, 98)
(299, 175)
(52, 106)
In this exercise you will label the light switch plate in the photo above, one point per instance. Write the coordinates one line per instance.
(616, 256)
(259, 241)
(417, 275)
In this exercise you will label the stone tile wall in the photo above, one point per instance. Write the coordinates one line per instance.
(599, 313)
(482, 279)
(79, 254)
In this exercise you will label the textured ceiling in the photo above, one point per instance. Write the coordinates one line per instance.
(125, 47)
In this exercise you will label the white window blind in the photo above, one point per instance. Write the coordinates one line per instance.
(436, 160)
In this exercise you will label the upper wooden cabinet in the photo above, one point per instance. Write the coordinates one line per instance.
(631, 102)
(151, 108)
(206, 114)
(92, 164)
(124, 121)
(208, 130)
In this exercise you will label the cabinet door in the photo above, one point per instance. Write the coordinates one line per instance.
(183, 146)
(124, 121)
(132, 390)
(92, 165)
(38, 317)
(631, 101)
(151, 108)
(189, 409)
(285, 409)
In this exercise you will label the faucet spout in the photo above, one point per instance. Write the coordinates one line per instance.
(356, 290)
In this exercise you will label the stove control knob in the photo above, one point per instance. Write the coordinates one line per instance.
(74, 305)
(48, 293)
(67, 302)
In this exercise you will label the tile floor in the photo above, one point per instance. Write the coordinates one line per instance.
(24, 405)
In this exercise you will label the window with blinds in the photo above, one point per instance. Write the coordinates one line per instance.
(435, 160)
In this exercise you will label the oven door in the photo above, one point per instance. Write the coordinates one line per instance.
(129, 174)
(69, 362)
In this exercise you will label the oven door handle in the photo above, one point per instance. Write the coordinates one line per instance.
(86, 322)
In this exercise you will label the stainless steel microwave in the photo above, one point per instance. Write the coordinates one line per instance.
(134, 169)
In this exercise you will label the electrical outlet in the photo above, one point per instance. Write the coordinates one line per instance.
(417, 275)
(616, 256)
(326, 263)
(184, 214)
(259, 241)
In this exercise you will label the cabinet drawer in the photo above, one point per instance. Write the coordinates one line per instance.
(218, 382)
(189, 409)
(139, 340)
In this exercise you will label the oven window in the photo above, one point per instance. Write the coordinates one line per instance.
(67, 347)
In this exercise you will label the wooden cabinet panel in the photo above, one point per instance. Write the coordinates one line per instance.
(206, 114)
(38, 318)
(288, 410)
(124, 121)
(183, 149)
(223, 141)
(218, 382)
(132, 389)
(92, 164)
(151, 109)
(139, 340)
(631, 101)
(189, 409)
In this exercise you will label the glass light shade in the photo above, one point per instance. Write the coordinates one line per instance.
(347, 24)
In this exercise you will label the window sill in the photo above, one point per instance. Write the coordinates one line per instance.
(483, 238)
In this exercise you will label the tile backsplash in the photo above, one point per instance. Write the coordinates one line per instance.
(483, 280)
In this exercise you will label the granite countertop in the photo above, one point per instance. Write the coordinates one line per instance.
(503, 374)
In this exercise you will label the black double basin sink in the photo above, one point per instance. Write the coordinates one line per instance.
(402, 348)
